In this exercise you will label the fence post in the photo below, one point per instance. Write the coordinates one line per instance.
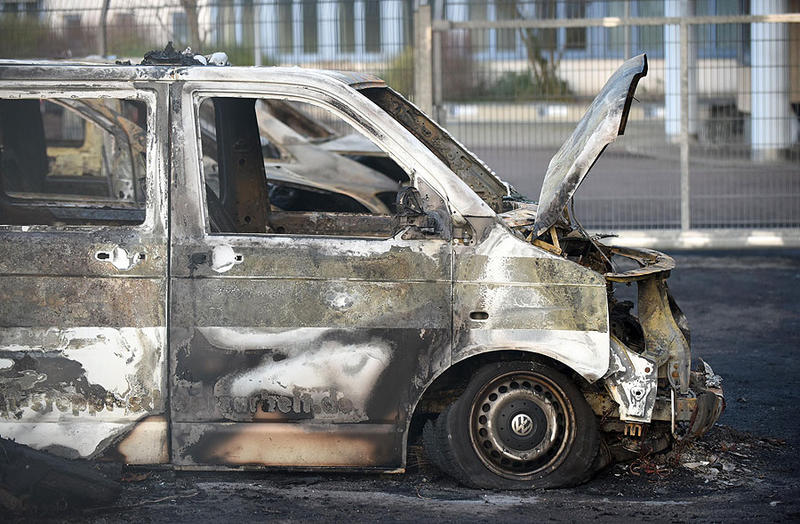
(257, 35)
(436, 77)
(770, 63)
(423, 72)
(686, 220)
(104, 28)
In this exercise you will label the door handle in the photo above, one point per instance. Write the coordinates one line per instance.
(120, 259)
(220, 259)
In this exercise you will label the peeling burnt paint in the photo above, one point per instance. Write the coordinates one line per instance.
(534, 300)
(632, 383)
(83, 308)
(103, 377)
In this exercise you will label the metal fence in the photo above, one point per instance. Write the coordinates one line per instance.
(710, 155)
(363, 35)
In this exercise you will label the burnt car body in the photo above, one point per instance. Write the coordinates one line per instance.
(208, 329)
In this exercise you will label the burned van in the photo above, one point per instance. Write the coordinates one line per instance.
(155, 312)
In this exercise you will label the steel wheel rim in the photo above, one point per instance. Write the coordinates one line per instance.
(520, 424)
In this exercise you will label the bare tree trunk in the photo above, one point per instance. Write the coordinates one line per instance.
(104, 28)
(543, 69)
(190, 8)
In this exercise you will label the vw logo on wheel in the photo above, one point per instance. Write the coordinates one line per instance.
(522, 424)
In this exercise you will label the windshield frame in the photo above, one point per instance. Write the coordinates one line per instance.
(460, 160)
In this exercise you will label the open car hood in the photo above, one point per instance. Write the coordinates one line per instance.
(603, 121)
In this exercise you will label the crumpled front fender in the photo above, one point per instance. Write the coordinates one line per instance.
(709, 403)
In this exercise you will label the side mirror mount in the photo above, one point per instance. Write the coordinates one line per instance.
(412, 217)
(409, 202)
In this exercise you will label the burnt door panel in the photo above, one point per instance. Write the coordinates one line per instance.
(83, 307)
(321, 342)
(295, 350)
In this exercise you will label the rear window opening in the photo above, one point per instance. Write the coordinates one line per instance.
(72, 161)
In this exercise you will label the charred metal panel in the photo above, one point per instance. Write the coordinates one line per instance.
(297, 350)
(509, 294)
(83, 316)
(289, 445)
(632, 383)
(665, 341)
(308, 331)
(666, 331)
(310, 223)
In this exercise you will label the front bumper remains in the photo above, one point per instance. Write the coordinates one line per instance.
(691, 401)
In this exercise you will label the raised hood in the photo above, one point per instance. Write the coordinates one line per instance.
(603, 121)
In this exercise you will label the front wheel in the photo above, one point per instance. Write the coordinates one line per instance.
(518, 425)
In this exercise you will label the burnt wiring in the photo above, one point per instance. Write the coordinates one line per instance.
(573, 217)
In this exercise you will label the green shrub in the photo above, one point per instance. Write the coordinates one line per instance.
(28, 37)
(523, 86)
(399, 73)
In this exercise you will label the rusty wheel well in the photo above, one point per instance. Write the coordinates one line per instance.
(448, 386)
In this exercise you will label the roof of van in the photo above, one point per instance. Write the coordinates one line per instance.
(103, 69)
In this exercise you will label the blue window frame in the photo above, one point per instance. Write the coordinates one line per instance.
(722, 40)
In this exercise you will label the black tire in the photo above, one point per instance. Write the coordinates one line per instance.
(518, 425)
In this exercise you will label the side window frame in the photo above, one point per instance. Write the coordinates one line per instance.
(200, 92)
(152, 208)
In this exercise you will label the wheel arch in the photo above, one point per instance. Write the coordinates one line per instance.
(450, 382)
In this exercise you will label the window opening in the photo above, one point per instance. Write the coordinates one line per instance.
(285, 26)
(72, 161)
(313, 174)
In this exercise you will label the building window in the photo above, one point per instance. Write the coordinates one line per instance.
(650, 38)
(546, 9)
(372, 26)
(479, 38)
(180, 28)
(285, 26)
(616, 35)
(408, 22)
(506, 38)
(719, 40)
(32, 8)
(310, 40)
(347, 17)
(631, 40)
(226, 20)
(576, 36)
(543, 39)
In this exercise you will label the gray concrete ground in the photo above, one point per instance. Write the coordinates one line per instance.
(743, 310)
